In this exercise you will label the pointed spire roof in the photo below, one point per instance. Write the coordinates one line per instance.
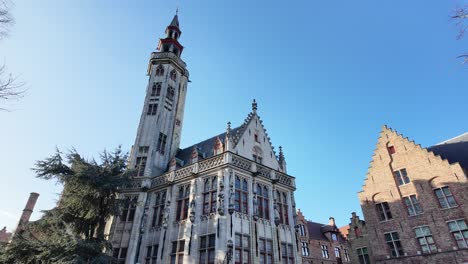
(175, 21)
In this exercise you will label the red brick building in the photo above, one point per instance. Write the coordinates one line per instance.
(414, 201)
(321, 243)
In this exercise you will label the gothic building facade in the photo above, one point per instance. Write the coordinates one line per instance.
(414, 203)
(227, 199)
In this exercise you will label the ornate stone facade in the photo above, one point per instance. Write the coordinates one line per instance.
(227, 199)
(414, 201)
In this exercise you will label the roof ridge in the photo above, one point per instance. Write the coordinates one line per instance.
(450, 139)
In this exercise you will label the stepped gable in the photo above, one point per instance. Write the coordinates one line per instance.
(205, 147)
(454, 150)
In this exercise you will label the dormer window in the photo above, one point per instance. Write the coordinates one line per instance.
(334, 238)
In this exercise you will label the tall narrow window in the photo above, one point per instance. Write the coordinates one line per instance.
(152, 108)
(266, 251)
(241, 195)
(207, 249)
(156, 89)
(401, 176)
(325, 254)
(158, 209)
(151, 254)
(209, 195)
(287, 254)
(140, 165)
(177, 252)
(445, 197)
(159, 70)
(170, 93)
(363, 255)
(412, 205)
(302, 230)
(305, 248)
(394, 244)
(263, 202)
(183, 202)
(173, 75)
(128, 209)
(459, 232)
(282, 203)
(119, 255)
(242, 249)
(161, 143)
(337, 252)
(424, 237)
(346, 255)
(383, 211)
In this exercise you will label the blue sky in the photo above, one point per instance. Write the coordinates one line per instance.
(326, 74)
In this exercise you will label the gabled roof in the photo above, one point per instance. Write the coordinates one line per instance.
(454, 150)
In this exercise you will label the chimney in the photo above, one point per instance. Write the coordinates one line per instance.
(28, 209)
(331, 221)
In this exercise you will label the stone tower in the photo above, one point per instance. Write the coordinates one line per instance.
(227, 199)
(158, 135)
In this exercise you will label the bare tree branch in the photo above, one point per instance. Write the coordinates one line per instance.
(460, 15)
(6, 19)
(10, 87)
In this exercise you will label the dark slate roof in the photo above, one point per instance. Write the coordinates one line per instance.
(175, 21)
(315, 231)
(454, 150)
(206, 148)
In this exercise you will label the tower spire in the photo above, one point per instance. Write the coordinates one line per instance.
(254, 106)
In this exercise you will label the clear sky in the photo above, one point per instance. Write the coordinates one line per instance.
(326, 74)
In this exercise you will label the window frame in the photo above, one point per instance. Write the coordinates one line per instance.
(394, 245)
(241, 248)
(263, 201)
(210, 191)
(382, 211)
(129, 208)
(183, 202)
(325, 253)
(266, 253)
(460, 231)
(365, 255)
(424, 238)
(411, 205)
(158, 209)
(177, 251)
(283, 208)
(287, 253)
(152, 254)
(305, 248)
(207, 248)
(401, 177)
(444, 198)
(241, 196)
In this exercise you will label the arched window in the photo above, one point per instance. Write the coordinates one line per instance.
(183, 202)
(159, 70)
(241, 195)
(263, 202)
(173, 75)
(257, 154)
(156, 89)
(282, 207)
(170, 93)
(209, 195)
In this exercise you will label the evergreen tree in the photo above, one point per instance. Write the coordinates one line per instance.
(73, 231)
